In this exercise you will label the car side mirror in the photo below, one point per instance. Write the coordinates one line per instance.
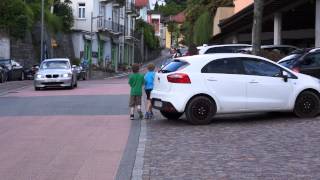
(285, 76)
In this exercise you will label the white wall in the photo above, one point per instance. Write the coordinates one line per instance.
(143, 13)
(4, 46)
(78, 44)
(85, 23)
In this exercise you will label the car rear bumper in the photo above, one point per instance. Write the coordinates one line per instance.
(169, 101)
(41, 83)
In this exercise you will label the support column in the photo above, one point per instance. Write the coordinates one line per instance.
(277, 36)
(317, 35)
(235, 39)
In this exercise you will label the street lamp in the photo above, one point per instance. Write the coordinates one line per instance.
(42, 24)
(91, 39)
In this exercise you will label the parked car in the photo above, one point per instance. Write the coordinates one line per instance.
(15, 70)
(224, 48)
(202, 86)
(55, 73)
(30, 72)
(304, 61)
(282, 49)
(293, 56)
(3, 74)
(81, 73)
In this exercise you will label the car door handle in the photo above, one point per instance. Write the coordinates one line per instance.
(212, 79)
(253, 82)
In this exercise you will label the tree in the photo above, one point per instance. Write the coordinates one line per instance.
(257, 27)
(156, 6)
(15, 18)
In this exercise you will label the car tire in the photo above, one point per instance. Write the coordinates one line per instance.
(21, 77)
(200, 110)
(307, 105)
(36, 88)
(171, 115)
(76, 85)
(2, 78)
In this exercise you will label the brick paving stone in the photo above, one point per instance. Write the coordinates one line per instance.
(252, 146)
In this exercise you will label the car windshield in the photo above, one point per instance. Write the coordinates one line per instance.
(173, 66)
(289, 60)
(5, 62)
(55, 65)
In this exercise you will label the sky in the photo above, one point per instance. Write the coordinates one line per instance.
(152, 2)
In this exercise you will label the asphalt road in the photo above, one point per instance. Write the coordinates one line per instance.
(77, 134)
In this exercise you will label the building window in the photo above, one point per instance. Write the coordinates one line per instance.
(82, 10)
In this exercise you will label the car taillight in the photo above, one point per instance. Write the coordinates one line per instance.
(179, 78)
(296, 69)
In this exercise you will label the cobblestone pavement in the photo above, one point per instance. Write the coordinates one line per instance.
(252, 146)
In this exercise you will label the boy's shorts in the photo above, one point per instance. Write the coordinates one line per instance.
(148, 92)
(134, 101)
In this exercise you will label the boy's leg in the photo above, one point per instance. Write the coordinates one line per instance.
(131, 105)
(138, 103)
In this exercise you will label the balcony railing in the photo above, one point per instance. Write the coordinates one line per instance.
(130, 8)
(129, 33)
(111, 26)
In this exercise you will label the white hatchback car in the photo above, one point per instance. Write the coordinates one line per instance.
(204, 85)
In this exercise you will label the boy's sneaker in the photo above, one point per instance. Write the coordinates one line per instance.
(131, 117)
(147, 115)
(140, 114)
(151, 115)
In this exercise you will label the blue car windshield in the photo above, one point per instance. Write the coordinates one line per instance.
(173, 66)
(55, 65)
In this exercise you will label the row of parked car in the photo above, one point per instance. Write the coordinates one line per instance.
(208, 81)
(306, 61)
(10, 70)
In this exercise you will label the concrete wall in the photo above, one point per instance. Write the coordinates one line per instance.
(23, 52)
(240, 4)
(4, 46)
(168, 38)
(221, 13)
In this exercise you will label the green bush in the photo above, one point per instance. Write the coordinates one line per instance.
(203, 29)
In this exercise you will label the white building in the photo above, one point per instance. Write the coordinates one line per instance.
(111, 23)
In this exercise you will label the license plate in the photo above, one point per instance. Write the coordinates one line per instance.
(157, 104)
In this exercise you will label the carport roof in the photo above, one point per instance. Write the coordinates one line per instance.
(245, 16)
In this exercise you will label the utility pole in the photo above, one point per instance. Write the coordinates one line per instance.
(91, 39)
(257, 27)
(42, 29)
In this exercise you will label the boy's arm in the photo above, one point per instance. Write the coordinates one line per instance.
(130, 81)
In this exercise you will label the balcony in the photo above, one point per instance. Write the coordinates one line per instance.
(110, 26)
(129, 34)
(131, 9)
(107, 1)
(118, 3)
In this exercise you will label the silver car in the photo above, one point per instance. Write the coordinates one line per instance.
(55, 73)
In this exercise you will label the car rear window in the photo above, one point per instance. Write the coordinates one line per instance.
(173, 66)
(289, 60)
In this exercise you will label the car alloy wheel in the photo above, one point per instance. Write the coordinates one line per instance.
(171, 115)
(307, 105)
(200, 110)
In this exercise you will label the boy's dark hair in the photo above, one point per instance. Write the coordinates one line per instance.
(135, 68)
(151, 67)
